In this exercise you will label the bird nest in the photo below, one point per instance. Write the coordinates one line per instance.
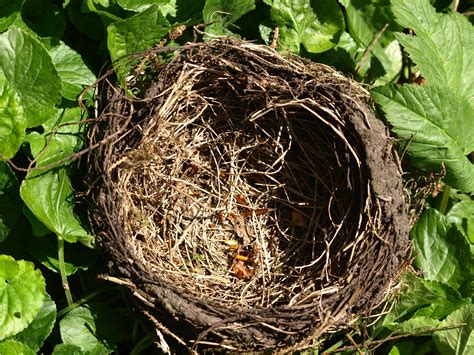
(250, 196)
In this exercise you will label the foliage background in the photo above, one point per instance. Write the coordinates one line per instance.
(414, 56)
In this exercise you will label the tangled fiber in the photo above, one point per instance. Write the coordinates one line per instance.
(250, 199)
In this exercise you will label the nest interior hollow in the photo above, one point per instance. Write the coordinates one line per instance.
(251, 195)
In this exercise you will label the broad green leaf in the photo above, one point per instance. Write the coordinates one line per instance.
(265, 32)
(366, 18)
(76, 256)
(22, 293)
(221, 14)
(443, 47)
(60, 142)
(128, 36)
(442, 252)
(79, 328)
(38, 228)
(38, 330)
(88, 23)
(74, 73)
(167, 7)
(12, 119)
(392, 67)
(44, 18)
(422, 299)
(104, 9)
(436, 128)
(10, 203)
(49, 196)
(371, 24)
(29, 70)
(418, 15)
(457, 341)
(189, 12)
(137, 5)
(317, 25)
(462, 214)
(9, 10)
(13, 347)
(68, 349)
(417, 346)
(342, 56)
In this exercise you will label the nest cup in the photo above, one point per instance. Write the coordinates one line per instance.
(250, 199)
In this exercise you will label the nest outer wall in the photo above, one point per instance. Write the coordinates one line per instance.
(252, 196)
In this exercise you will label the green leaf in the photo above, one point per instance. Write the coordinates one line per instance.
(128, 36)
(392, 62)
(317, 25)
(442, 252)
(418, 346)
(462, 214)
(221, 14)
(437, 128)
(141, 5)
(345, 3)
(60, 142)
(104, 9)
(443, 47)
(38, 330)
(420, 301)
(44, 18)
(366, 18)
(48, 195)
(12, 119)
(10, 204)
(78, 328)
(45, 250)
(14, 347)
(418, 15)
(458, 341)
(22, 293)
(29, 70)
(38, 228)
(88, 23)
(9, 10)
(371, 24)
(74, 73)
(67, 349)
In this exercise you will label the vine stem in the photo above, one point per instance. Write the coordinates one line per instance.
(62, 271)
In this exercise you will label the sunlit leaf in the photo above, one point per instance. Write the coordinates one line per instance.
(38, 330)
(74, 73)
(459, 340)
(317, 25)
(12, 119)
(49, 196)
(22, 293)
(28, 68)
(128, 36)
(221, 14)
(78, 328)
(436, 128)
(442, 252)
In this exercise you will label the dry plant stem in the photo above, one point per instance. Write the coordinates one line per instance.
(247, 193)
